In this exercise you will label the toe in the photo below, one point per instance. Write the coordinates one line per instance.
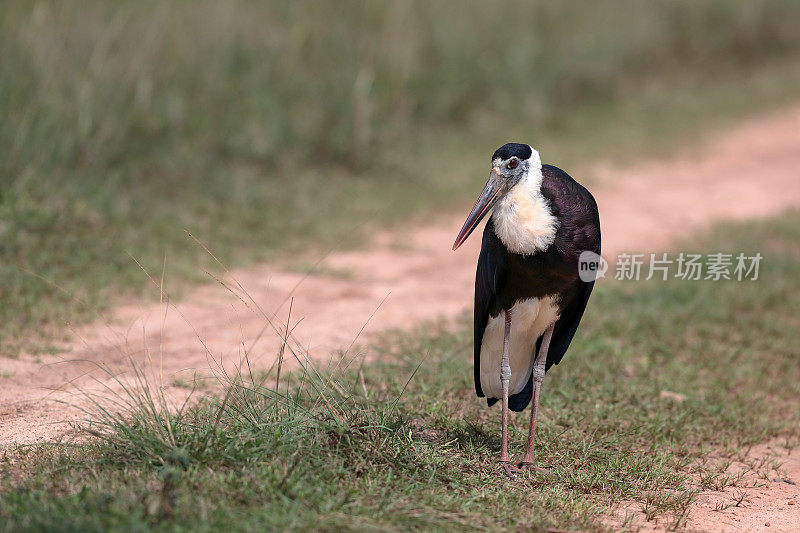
(510, 470)
(531, 466)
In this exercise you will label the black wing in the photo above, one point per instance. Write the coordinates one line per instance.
(579, 231)
(567, 325)
(488, 279)
(564, 331)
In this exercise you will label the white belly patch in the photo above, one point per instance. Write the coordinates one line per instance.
(529, 320)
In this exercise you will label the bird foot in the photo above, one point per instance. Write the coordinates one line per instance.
(527, 465)
(509, 470)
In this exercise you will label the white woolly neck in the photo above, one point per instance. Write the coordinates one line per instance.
(522, 218)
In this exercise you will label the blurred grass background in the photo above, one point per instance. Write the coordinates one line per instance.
(264, 127)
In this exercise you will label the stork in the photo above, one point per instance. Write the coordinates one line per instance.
(529, 296)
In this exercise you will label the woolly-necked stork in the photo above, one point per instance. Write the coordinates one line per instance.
(529, 295)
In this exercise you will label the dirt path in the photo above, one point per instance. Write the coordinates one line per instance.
(403, 278)
(766, 498)
(772, 505)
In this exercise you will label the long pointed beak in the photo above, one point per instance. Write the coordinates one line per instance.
(492, 192)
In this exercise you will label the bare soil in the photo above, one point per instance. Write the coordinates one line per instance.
(766, 498)
(772, 505)
(402, 278)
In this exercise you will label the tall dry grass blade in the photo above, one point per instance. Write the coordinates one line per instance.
(285, 339)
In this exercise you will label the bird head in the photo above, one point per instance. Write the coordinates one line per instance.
(510, 164)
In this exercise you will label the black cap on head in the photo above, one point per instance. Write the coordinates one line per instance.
(522, 151)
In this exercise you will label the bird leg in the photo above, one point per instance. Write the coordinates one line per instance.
(505, 377)
(538, 376)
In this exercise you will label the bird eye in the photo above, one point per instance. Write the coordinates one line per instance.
(513, 163)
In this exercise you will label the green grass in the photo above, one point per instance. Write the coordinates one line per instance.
(410, 447)
(265, 127)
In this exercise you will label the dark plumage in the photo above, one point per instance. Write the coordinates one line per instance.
(503, 277)
(507, 151)
(528, 285)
